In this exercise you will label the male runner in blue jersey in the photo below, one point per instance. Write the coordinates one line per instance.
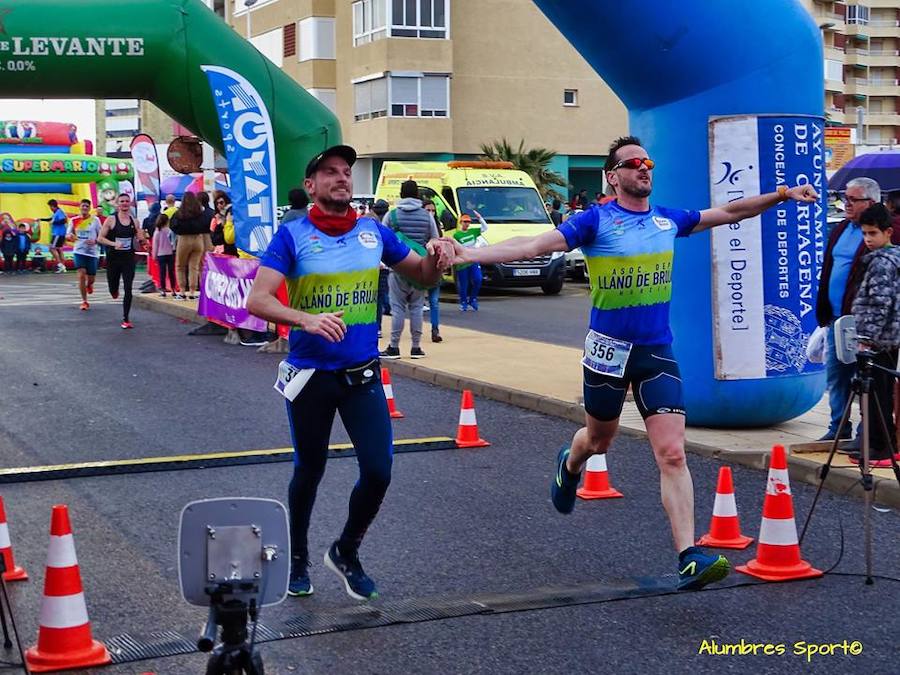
(330, 259)
(628, 246)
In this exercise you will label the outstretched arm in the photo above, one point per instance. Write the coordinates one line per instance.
(517, 248)
(748, 207)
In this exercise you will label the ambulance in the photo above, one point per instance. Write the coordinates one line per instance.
(506, 198)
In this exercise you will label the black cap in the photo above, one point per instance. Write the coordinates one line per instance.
(345, 152)
(381, 207)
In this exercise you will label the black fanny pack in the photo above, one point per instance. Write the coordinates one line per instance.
(364, 374)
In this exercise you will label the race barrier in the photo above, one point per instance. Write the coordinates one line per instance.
(596, 480)
(12, 571)
(389, 394)
(467, 433)
(725, 528)
(778, 551)
(64, 637)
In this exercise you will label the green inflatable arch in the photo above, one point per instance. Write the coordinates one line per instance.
(153, 50)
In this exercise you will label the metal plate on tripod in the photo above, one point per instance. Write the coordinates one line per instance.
(234, 553)
(218, 536)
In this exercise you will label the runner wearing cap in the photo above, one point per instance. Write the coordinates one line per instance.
(628, 246)
(330, 260)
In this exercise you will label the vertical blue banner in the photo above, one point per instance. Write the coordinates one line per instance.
(250, 151)
(791, 152)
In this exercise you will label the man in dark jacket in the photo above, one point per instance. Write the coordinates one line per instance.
(840, 279)
(416, 227)
(876, 309)
(149, 224)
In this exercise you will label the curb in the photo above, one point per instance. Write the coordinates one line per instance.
(840, 480)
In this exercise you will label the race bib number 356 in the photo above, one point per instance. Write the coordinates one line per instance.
(605, 355)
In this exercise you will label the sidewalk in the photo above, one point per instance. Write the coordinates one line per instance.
(547, 378)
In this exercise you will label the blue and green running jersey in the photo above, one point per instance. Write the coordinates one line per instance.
(629, 261)
(332, 274)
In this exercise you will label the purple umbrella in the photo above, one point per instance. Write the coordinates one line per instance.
(883, 167)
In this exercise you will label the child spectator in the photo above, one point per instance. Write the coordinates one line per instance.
(468, 276)
(23, 245)
(8, 243)
(876, 309)
(163, 250)
(38, 261)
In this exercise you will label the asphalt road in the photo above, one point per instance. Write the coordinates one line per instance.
(454, 524)
(526, 313)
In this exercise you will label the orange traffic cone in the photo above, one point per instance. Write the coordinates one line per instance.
(467, 434)
(596, 480)
(724, 528)
(64, 636)
(12, 573)
(389, 393)
(778, 551)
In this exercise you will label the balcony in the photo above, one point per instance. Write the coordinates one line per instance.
(857, 86)
(883, 88)
(883, 119)
(875, 29)
(834, 86)
(836, 20)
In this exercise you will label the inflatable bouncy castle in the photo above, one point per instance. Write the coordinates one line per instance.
(40, 161)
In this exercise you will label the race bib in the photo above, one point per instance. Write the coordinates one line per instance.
(123, 243)
(83, 234)
(605, 355)
(291, 380)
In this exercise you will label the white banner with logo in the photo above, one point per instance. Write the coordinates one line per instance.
(765, 269)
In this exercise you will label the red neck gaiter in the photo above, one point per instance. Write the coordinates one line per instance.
(333, 226)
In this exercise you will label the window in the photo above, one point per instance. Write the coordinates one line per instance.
(419, 95)
(419, 18)
(316, 38)
(858, 14)
(369, 21)
(834, 70)
(271, 45)
(411, 95)
(406, 18)
(326, 96)
(570, 97)
(371, 99)
(290, 40)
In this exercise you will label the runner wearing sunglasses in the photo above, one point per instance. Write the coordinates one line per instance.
(628, 246)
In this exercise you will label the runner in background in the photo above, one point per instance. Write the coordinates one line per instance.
(59, 225)
(83, 232)
(121, 235)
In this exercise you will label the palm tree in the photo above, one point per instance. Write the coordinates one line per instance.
(532, 161)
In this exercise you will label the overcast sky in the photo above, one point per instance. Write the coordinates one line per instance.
(80, 112)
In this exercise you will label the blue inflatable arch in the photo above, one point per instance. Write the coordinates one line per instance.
(675, 65)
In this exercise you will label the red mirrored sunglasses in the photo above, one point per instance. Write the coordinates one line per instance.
(635, 163)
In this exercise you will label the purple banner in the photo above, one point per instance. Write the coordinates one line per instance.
(225, 285)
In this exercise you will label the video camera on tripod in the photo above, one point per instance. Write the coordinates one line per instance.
(847, 350)
(233, 557)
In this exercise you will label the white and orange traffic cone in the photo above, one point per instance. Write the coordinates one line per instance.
(778, 551)
(389, 393)
(13, 572)
(467, 433)
(64, 637)
(596, 480)
(724, 527)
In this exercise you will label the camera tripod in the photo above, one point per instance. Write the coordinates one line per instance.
(861, 387)
(6, 608)
(234, 656)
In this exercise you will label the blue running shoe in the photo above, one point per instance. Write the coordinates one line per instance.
(696, 569)
(356, 582)
(462, 307)
(299, 585)
(562, 490)
(473, 303)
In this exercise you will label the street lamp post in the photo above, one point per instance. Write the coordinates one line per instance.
(248, 4)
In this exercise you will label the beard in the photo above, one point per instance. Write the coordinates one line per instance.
(637, 190)
(334, 205)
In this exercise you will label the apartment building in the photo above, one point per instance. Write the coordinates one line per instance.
(862, 65)
(434, 79)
